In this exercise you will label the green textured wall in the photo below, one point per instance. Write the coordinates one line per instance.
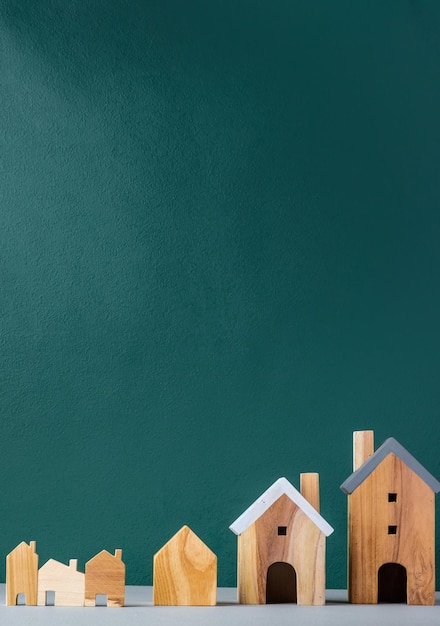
(220, 255)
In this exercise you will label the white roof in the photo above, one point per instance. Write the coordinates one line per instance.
(260, 506)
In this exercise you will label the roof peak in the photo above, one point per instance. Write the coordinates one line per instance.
(389, 446)
(280, 487)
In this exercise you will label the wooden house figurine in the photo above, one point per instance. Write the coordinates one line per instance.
(391, 531)
(22, 574)
(64, 580)
(185, 572)
(281, 545)
(105, 575)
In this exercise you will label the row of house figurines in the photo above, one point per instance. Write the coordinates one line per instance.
(281, 546)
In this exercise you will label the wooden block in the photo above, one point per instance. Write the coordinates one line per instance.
(105, 575)
(22, 574)
(309, 488)
(64, 580)
(185, 572)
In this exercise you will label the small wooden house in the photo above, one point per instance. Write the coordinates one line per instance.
(391, 530)
(281, 546)
(64, 580)
(185, 572)
(22, 574)
(105, 575)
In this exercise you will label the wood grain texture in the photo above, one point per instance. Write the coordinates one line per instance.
(370, 544)
(363, 447)
(64, 580)
(185, 572)
(22, 574)
(309, 488)
(303, 547)
(105, 575)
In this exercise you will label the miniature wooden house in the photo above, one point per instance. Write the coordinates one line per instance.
(281, 546)
(105, 575)
(185, 572)
(64, 580)
(391, 531)
(22, 574)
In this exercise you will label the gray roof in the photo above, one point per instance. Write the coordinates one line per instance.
(390, 446)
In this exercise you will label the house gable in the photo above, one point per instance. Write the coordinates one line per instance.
(281, 487)
(193, 546)
(105, 560)
(390, 446)
(61, 569)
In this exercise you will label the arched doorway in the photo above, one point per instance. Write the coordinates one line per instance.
(281, 583)
(391, 580)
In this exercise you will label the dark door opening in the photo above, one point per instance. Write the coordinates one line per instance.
(281, 584)
(392, 583)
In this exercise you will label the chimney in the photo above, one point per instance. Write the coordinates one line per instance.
(33, 545)
(363, 447)
(309, 488)
(118, 554)
(73, 564)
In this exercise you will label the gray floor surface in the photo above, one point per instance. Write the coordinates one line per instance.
(140, 610)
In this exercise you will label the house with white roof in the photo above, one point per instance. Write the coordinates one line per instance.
(281, 545)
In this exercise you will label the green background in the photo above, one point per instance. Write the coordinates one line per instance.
(219, 256)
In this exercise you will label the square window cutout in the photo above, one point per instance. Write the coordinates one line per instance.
(392, 530)
(392, 497)
(282, 530)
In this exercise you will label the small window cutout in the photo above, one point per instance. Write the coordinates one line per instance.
(392, 530)
(392, 497)
(282, 530)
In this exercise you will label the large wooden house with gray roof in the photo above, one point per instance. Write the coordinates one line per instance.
(391, 529)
